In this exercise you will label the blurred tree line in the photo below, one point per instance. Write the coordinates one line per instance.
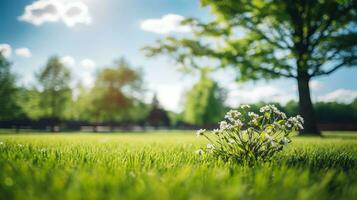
(116, 99)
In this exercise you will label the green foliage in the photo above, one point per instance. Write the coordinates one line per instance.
(157, 116)
(8, 107)
(204, 102)
(29, 100)
(291, 108)
(271, 39)
(175, 118)
(80, 107)
(56, 93)
(334, 112)
(247, 138)
(163, 166)
(116, 93)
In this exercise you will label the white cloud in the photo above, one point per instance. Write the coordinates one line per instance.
(69, 12)
(84, 71)
(166, 24)
(339, 95)
(169, 95)
(76, 13)
(5, 49)
(315, 85)
(87, 79)
(88, 64)
(68, 61)
(23, 52)
(265, 93)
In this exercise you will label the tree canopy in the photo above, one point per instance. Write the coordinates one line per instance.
(116, 92)
(204, 102)
(9, 109)
(54, 80)
(271, 39)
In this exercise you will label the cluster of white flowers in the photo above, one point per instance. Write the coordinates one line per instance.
(232, 115)
(262, 136)
(285, 141)
(210, 146)
(253, 115)
(295, 122)
(272, 109)
(244, 106)
(223, 125)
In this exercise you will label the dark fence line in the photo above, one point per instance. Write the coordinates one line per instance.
(338, 126)
(57, 125)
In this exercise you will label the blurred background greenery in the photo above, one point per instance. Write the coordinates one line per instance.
(257, 40)
(116, 102)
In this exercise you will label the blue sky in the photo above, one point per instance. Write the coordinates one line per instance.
(93, 33)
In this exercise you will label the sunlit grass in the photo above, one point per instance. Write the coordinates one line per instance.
(164, 166)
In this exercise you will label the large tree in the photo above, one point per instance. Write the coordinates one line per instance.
(56, 93)
(9, 108)
(157, 116)
(116, 92)
(299, 39)
(204, 102)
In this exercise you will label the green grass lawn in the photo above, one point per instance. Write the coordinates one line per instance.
(164, 166)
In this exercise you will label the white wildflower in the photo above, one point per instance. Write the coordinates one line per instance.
(285, 141)
(232, 115)
(268, 130)
(300, 126)
(275, 109)
(300, 119)
(265, 109)
(216, 131)
(244, 106)
(238, 123)
(269, 108)
(223, 125)
(295, 122)
(253, 115)
(200, 132)
(283, 115)
(272, 143)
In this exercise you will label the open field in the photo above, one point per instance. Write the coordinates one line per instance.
(164, 166)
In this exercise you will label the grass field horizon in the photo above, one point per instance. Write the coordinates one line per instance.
(165, 166)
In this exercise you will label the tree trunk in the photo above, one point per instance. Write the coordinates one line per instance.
(306, 108)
